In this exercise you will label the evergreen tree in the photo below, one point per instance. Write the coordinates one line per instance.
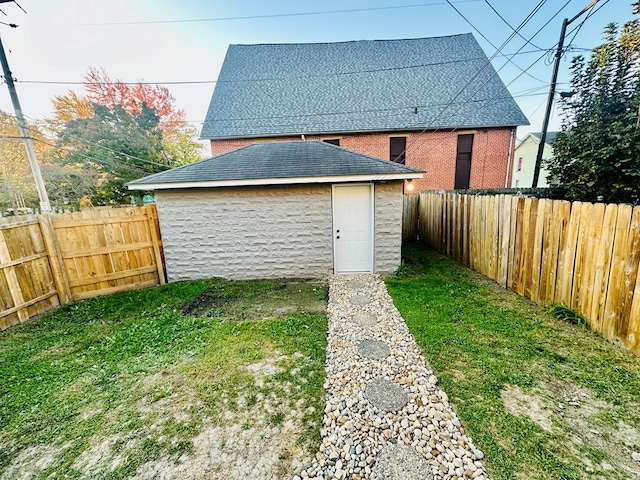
(597, 154)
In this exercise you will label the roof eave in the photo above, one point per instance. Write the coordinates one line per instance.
(276, 181)
(249, 136)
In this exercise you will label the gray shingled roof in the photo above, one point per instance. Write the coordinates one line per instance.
(373, 85)
(279, 160)
(548, 139)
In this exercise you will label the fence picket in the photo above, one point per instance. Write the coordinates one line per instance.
(577, 254)
(52, 259)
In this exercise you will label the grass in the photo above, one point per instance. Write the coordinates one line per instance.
(145, 371)
(541, 396)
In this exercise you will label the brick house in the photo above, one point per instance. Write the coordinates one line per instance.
(436, 104)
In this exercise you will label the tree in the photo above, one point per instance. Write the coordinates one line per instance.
(178, 137)
(597, 153)
(17, 187)
(115, 133)
(120, 145)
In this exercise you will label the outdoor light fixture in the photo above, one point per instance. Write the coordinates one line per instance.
(409, 186)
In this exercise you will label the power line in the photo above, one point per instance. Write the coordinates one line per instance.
(510, 60)
(527, 19)
(577, 28)
(265, 79)
(277, 15)
(87, 142)
(542, 2)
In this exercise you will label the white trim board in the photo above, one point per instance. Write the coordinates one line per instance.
(275, 181)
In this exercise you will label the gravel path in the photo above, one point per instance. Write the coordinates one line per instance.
(385, 416)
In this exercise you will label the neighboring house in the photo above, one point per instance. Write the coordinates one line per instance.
(283, 209)
(525, 160)
(436, 104)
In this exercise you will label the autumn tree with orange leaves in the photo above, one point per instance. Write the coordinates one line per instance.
(124, 130)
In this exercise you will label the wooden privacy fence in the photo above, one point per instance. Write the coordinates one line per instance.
(581, 255)
(48, 260)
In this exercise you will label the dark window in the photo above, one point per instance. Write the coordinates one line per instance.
(397, 147)
(333, 141)
(520, 164)
(463, 161)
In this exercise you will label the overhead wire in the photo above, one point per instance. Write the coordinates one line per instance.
(264, 79)
(577, 29)
(527, 19)
(448, 104)
(542, 2)
(471, 24)
(276, 15)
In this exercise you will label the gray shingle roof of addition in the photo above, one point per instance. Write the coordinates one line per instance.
(548, 139)
(264, 162)
(372, 85)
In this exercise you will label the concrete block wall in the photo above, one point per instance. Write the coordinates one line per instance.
(266, 232)
(242, 233)
(431, 151)
(388, 201)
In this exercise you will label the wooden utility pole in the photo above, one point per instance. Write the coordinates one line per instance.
(45, 206)
(552, 92)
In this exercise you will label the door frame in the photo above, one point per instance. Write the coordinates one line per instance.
(371, 186)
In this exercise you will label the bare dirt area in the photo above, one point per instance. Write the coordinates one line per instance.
(588, 427)
(242, 441)
(194, 380)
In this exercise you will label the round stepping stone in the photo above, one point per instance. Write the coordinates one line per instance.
(356, 284)
(360, 300)
(373, 349)
(401, 462)
(365, 319)
(386, 395)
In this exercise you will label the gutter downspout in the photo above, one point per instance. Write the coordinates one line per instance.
(511, 139)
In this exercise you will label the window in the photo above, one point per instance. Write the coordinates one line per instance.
(332, 141)
(397, 147)
(463, 161)
(519, 163)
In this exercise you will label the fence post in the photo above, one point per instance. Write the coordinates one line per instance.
(55, 258)
(152, 218)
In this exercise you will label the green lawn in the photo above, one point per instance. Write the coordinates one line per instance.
(99, 388)
(542, 397)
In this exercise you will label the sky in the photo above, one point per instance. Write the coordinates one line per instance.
(57, 41)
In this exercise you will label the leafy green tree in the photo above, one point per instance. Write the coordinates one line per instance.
(120, 130)
(597, 154)
(121, 146)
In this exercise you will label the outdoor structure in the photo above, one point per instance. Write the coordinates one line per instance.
(525, 160)
(436, 104)
(283, 209)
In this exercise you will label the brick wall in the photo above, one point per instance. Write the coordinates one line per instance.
(433, 152)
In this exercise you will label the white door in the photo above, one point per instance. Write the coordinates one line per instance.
(353, 228)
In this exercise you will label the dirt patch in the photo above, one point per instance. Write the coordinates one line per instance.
(286, 297)
(517, 403)
(231, 452)
(30, 462)
(265, 369)
(100, 457)
(590, 432)
(208, 304)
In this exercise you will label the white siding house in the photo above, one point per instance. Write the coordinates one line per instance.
(525, 161)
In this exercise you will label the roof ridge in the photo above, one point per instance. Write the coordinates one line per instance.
(351, 41)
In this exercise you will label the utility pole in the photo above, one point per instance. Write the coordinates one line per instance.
(45, 206)
(552, 92)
